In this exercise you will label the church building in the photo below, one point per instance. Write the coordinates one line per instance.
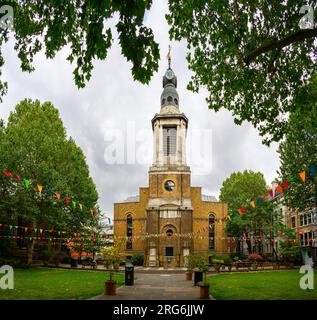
(170, 218)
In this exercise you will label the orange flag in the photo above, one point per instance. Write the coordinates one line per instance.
(303, 175)
(252, 204)
(39, 188)
(58, 195)
(239, 210)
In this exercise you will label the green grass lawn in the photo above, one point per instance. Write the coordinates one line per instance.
(263, 285)
(46, 283)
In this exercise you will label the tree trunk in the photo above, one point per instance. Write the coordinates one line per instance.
(30, 249)
(249, 246)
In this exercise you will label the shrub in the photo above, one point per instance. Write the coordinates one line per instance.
(255, 257)
(137, 260)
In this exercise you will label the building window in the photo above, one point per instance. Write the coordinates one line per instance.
(169, 232)
(176, 101)
(169, 99)
(293, 222)
(306, 219)
(163, 101)
(211, 232)
(306, 239)
(169, 141)
(129, 231)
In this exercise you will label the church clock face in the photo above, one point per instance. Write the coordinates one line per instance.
(169, 185)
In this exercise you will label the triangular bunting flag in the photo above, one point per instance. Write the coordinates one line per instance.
(303, 175)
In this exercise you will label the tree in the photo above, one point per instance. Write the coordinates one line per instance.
(34, 146)
(252, 56)
(238, 190)
(298, 150)
(80, 25)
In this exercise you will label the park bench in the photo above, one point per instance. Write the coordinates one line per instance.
(243, 264)
(89, 262)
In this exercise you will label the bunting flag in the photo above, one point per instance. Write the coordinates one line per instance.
(312, 170)
(252, 204)
(239, 211)
(74, 204)
(271, 193)
(80, 206)
(279, 189)
(243, 208)
(285, 185)
(303, 175)
(26, 183)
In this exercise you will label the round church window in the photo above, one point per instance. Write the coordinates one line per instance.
(169, 185)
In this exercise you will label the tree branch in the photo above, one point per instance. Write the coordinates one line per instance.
(279, 44)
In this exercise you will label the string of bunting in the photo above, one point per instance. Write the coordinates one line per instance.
(59, 195)
(281, 188)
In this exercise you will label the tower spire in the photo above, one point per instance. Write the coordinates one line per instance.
(169, 56)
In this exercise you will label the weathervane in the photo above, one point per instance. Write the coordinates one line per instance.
(169, 56)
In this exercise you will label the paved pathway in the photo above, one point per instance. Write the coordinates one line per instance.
(156, 287)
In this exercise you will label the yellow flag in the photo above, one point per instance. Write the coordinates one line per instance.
(81, 207)
(303, 175)
(39, 188)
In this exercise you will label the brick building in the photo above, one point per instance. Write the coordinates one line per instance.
(158, 223)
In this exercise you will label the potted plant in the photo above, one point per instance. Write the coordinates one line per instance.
(203, 285)
(111, 256)
(190, 264)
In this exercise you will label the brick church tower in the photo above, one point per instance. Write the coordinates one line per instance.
(160, 221)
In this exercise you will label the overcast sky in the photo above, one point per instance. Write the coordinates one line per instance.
(112, 101)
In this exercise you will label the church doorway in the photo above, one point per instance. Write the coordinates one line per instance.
(169, 251)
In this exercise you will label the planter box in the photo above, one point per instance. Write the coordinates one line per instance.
(204, 291)
(110, 288)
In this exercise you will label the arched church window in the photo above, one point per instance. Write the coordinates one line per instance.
(169, 232)
(176, 101)
(129, 231)
(163, 101)
(169, 99)
(211, 232)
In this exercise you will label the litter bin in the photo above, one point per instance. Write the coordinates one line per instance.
(198, 277)
(129, 274)
(74, 263)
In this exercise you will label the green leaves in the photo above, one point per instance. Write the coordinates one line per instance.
(251, 57)
(298, 151)
(80, 25)
(34, 145)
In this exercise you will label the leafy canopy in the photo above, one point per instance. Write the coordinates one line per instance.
(298, 151)
(34, 146)
(251, 56)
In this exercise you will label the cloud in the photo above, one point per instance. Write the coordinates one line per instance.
(112, 99)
